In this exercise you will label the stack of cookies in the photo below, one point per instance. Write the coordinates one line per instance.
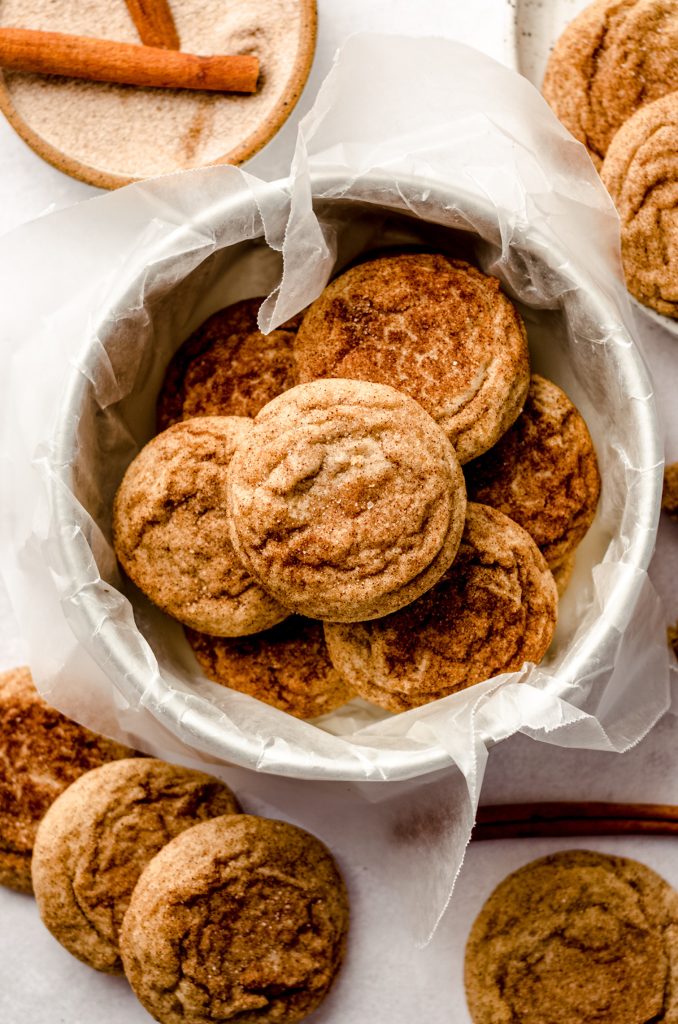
(612, 79)
(153, 869)
(304, 511)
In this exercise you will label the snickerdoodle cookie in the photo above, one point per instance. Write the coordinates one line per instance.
(670, 490)
(493, 610)
(616, 56)
(238, 919)
(577, 936)
(543, 473)
(228, 367)
(431, 326)
(41, 753)
(641, 174)
(672, 637)
(97, 838)
(346, 500)
(287, 666)
(562, 572)
(170, 530)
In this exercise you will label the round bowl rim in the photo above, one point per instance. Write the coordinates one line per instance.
(383, 763)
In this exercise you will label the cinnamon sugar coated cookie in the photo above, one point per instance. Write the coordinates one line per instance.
(672, 637)
(641, 174)
(97, 838)
(41, 753)
(575, 937)
(562, 573)
(287, 666)
(433, 327)
(493, 610)
(238, 919)
(670, 490)
(170, 530)
(228, 367)
(616, 56)
(543, 473)
(346, 500)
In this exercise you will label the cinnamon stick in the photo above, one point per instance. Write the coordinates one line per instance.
(154, 23)
(103, 60)
(571, 818)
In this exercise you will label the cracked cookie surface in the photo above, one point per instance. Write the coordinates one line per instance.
(641, 174)
(41, 753)
(494, 609)
(431, 326)
(346, 500)
(228, 367)
(616, 56)
(670, 490)
(100, 834)
(543, 473)
(287, 666)
(239, 919)
(170, 530)
(577, 936)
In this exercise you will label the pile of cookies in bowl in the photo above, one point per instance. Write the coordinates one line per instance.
(612, 79)
(377, 499)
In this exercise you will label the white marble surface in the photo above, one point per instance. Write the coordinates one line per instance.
(385, 980)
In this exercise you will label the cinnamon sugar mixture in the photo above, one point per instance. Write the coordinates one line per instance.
(137, 132)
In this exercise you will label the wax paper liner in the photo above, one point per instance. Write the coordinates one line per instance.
(409, 141)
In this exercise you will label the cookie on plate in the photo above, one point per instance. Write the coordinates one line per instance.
(493, 610)
(346, 500)
(433, 327)
(577, 936)
(41, 753)
(543, 474)
(228, 367)
(616, 56)
(287, 666)
(640, 172)
(97, 838)
(170, 530)
(240, 919)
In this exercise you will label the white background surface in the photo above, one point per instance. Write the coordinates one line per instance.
(40, 983)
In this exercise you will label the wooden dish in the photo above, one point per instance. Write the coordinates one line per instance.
(111, 135)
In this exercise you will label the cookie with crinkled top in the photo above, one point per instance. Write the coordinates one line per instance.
(493, 610)
(41, 753)
(431, 326)
(640, 172)
(97, 838)
(346, 500)
(170, 530)
(576, 936)
(287, 666)
(615, 57)
(228, 367)
(670, 490)
(239, 919)
(543, 473)
(562, 572)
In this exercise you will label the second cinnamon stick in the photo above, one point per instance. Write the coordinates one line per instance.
(154, 23)
(104, 60)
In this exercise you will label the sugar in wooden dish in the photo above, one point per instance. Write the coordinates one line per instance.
(109, 135)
